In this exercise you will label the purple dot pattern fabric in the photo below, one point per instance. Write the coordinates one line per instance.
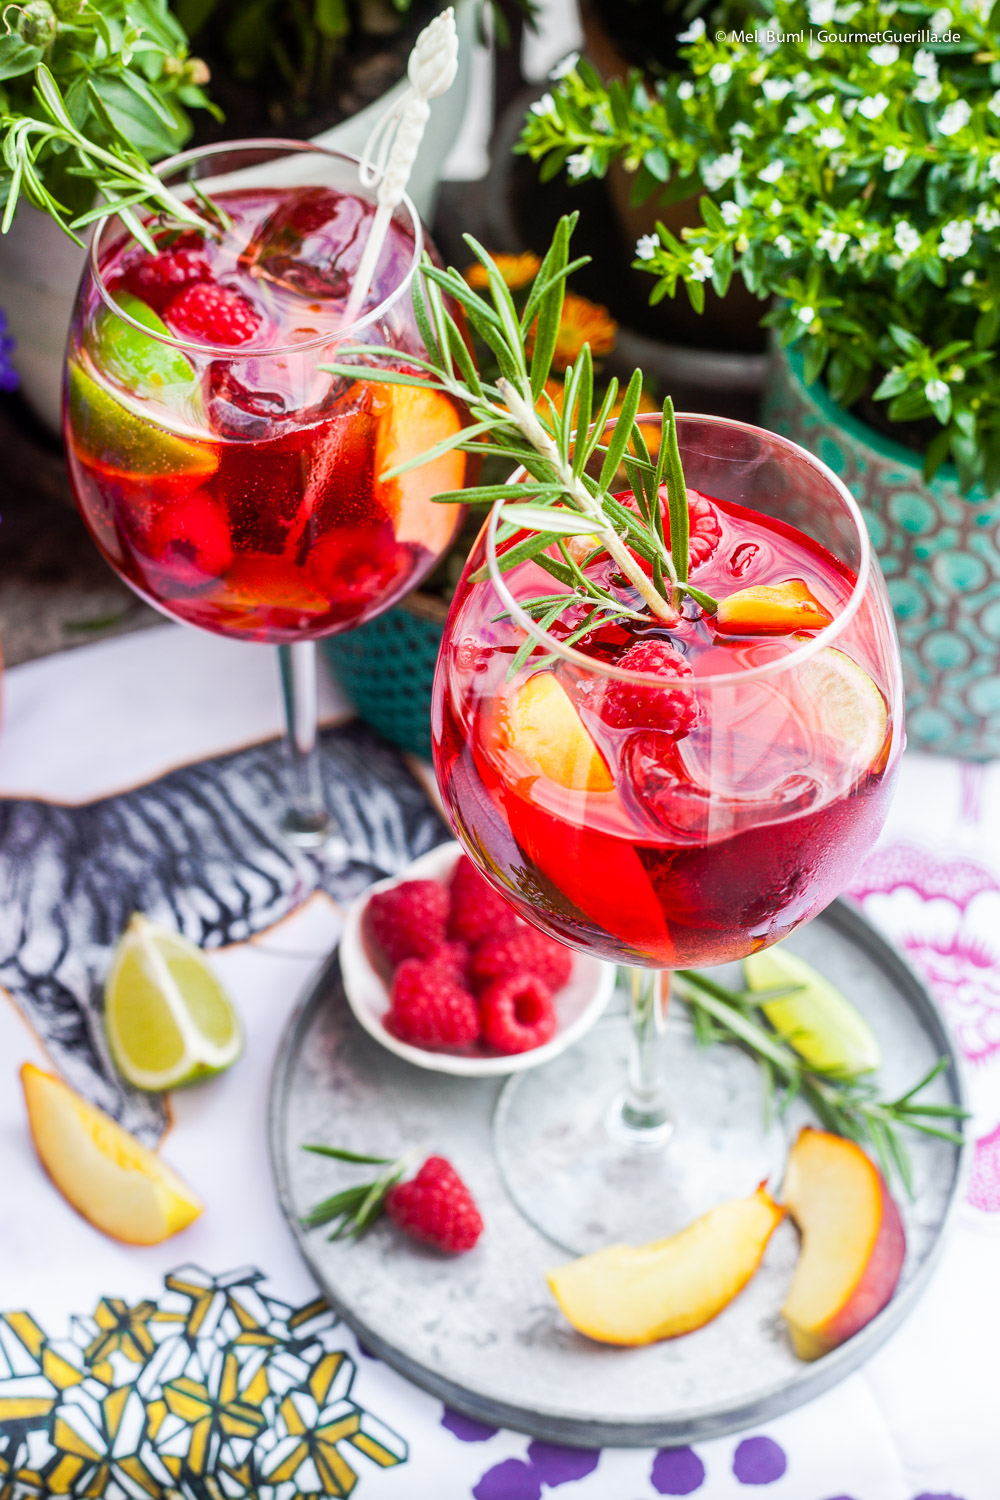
(466, 1429)
(759, 1460)
(677, 1471)
(556, 1465)
(511, 1480)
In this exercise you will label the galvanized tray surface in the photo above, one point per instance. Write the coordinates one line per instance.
(481, 1331)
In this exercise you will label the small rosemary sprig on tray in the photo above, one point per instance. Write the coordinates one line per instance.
(560, 497)
(355, 1209)
(847, 1105)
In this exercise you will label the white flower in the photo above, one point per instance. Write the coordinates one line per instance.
(821, 12)
(803, 83)
(701, 266)
(830, 138)
(543, 106)
(925, 64)
(956, 237)
(801, 119)
(833, 242)
(968, 278)
(564, 67)
(869, 242)
(719, 171)
(993, 167)
(741, 128)
(578, 165)
(646, 246)
(940, 21)
(772, 171)
(600, 117)
(776, 89)
(994, 104)
(935, 390)
(806, 314)
(955, 117)
(927, 90)
(720, 73)
(730, 211)
(849, 108)
(694, 32)
(986, 217)
(894, 158)
(766, 39)
(876, 105)
(783, 245)
(814, 50)
(685, 89)
(907, 238)
(884, 55)
(894, 262)
(825, 105)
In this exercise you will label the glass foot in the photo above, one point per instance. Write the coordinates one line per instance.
(575, 1168)
(308, 830)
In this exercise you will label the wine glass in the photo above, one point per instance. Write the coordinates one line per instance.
(225, 476)
(670, 816)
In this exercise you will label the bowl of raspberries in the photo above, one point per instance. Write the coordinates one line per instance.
(440, 969)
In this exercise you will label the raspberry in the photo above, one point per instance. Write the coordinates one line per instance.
(655, 770)
(408, 920)
(526, 951)
(517, 1013)
(430, 1006)
(627, 705)
(705, 531)
(158, 278)
(477, 911)
(212, 314)
(436, 1208)
(453, 956)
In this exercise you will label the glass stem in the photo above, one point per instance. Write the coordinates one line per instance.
(307, 820)
(642, 1113)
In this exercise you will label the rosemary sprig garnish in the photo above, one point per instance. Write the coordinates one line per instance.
(561, 497)
(355, 1209)
(847, 1105)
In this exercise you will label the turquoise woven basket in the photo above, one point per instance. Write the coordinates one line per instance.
(387, 669)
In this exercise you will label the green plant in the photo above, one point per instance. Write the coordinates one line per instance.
(856, 181)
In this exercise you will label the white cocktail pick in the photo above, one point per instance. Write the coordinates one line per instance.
(392, 147)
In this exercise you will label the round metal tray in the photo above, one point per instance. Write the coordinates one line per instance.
(481, 1331)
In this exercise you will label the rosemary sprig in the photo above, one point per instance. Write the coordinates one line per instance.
(847, 1105)
(355, 1209)
(560, 498)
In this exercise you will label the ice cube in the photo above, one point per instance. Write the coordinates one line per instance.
(311, 243)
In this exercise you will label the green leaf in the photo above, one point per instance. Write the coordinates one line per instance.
(680, 521)
(622, 430)
(17, 57)
(549, 518)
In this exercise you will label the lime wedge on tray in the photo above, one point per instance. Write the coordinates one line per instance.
(107, 432)
(167, 1017)
(817, 1020)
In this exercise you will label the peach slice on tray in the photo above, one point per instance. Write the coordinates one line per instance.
(109, 1177)
(542, 724)
(853, 1242)
(636, 1295)
(771, 609)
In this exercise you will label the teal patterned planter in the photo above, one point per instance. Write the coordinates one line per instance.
(940, 553)
(386, 667)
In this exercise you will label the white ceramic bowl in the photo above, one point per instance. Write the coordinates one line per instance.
(578, 1004)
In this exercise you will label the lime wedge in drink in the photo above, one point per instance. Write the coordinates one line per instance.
(167, 1018)
(846, 703)
(107, 432)
(140, 362)
(815, 1019)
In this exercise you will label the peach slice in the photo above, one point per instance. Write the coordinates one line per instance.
(853, 1242)
(542, 724)
(410, 421)
(626, 1295)
(771, 609)
(108, 1176)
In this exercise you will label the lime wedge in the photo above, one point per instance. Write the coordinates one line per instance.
(167, 1018)
(816, 1020)
(142, 364)
(846, 702)
(106, 431)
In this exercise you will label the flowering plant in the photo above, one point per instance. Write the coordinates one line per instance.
(851, 169)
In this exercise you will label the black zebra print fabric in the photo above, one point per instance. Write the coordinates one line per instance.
(199, 850)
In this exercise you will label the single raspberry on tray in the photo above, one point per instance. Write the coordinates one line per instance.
(477, 911)
(158, 278)
(430, 1006)
(526, 951)
(212, 314)
(408, 920)
(517, 1013)
(436, 1208)
(627, 705)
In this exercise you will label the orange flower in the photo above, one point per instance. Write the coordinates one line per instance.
(583, 322)
(516, 270)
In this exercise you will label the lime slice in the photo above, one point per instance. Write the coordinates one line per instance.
(107, 432)
(168, 1019)
(817, 1020)
(142, 364)
(846, 703)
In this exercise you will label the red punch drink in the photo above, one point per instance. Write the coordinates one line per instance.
(225, 476)
(674, 795)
